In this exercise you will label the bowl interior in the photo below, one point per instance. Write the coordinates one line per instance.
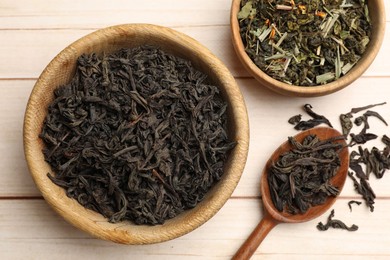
(378, 20)
(61, 70)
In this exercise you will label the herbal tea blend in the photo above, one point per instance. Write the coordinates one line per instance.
(137, 135)
(301, 177)
(305, 42)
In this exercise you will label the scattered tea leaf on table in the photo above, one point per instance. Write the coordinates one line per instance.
(335, 223)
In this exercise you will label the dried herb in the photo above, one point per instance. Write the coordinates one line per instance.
(345, 119)
(375, 160)
(362, 138)
(306, 42)
(335, 223)
(295, 119)
(364, 118)
(346, 123)
(386, 140)
(357, 168)
(353, 202)
(300, 178)
(137, 135)
(315, 121)
(363, 187)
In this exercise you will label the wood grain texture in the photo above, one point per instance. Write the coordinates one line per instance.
(46, 235)
(100, 13)
(59, 15)
(33, 32)
(216, 38)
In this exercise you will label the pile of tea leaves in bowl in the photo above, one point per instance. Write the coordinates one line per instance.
(137, 135)
(305, 42)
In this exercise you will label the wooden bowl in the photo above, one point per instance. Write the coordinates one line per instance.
(60, 71)
(378, 19)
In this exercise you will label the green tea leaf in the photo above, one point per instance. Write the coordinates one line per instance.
(323, 78)
(246, 11)
(292, 26)
(365, 41)
(338, 64)
(256, 32)
(347, 67)
(344, 35)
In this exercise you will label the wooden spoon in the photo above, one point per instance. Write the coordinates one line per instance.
(272, 216)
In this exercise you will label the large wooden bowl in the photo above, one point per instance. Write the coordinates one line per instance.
(378, 20)
(60, 71)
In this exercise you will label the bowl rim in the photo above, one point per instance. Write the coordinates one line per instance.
(312, 91)
(125, 232)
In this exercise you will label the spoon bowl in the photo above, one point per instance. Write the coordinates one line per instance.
(272, 216)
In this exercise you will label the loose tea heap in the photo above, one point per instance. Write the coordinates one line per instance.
(301, 177)
(305, 42)
(137, 135)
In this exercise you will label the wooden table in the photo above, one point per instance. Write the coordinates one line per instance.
(33, 32)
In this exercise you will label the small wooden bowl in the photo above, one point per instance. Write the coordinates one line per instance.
(60, 71)
(378, 19)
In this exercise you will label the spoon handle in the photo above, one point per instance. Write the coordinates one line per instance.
(254, 240)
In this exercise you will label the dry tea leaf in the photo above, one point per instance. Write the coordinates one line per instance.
(335, 223)
(137, 135)
(246, 11)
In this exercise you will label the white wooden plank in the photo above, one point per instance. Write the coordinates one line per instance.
(268, 115)
(387, 10)
(96, 14)
(15, 177)
(30, 227)
(41, 14)
(27, 52)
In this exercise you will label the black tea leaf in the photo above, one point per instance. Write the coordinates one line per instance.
(301, 177)
(137, 135)
(335, 223)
